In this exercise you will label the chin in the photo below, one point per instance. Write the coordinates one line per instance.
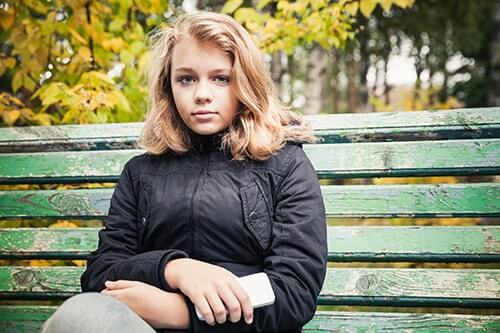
(203, 131)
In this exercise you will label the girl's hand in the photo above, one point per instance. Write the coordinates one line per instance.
(211, 288)
(157, 307)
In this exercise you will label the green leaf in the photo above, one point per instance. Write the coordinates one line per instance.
(126, 57)
(262, 4)
(136, 47)
(70, 116)
(117, 24)
(121, 101)
(29, 83)
(96, 80)
(231, 5)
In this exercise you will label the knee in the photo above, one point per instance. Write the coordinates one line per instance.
(81, 310)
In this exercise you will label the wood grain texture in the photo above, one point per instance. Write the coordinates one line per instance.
(20, 319)
(424, 200)
(376, 159)
(347, 243)
(342, 286)
(336, 128)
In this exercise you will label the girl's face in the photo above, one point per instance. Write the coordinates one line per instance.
(201, 88)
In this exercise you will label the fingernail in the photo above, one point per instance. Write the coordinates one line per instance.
(249, 321)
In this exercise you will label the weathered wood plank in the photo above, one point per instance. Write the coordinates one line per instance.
(429, 200)
(81, 204)
(64, 167)
(414, 244)
(373, 243)
(424, 200)
(25, 319)
(377, 159)
(47, 243)
(70, 137)
(338, 128)
(395, 159)
(343, 286)
(374, 322)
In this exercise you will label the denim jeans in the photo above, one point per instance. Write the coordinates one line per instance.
(95, 312)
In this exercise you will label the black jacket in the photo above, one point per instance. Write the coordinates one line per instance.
(245, 216)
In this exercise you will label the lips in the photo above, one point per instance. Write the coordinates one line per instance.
(200, 112)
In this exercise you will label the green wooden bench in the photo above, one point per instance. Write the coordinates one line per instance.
(404, 144)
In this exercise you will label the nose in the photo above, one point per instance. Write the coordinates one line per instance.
(203, 94)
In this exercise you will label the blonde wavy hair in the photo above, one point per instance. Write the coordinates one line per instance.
(263, 124)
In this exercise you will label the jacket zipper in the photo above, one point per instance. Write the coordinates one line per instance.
(194, 206)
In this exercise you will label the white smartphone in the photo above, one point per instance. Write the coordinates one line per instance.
(259, 289)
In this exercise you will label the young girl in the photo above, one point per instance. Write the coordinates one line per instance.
(224, 190)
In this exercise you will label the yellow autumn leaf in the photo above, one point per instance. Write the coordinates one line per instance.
(367, 6)
(113, 44)
(79, 263)
(43, 119)
(77, 36)
(70, 116)
(10, 117)
(351, 8)
(262, 4)
(10, 62)
(7, 20)
(17, 81)
(386, 4)
(63, 224)
(404, 3)
(84, 52)
(230, 6)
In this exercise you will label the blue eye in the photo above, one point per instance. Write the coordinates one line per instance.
(185, 80)
(222, 80)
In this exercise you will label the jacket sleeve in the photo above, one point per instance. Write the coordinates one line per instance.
(296, 261)
(117, 254)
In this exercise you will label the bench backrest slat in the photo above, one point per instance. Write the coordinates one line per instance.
(457, 200)
(377, 159)
(360, 243)
(428, 287)
(337, 128)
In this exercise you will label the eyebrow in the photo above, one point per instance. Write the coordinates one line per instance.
(189, 69)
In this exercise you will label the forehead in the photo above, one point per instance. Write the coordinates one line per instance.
(189, 53)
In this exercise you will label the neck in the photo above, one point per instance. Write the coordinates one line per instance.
(205, 143)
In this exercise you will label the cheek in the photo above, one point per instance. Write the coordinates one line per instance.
(180, 98)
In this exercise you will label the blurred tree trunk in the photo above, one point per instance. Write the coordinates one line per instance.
(352, 84)
(315, 78)
(494, 91)
(335, 82)
(276, 68)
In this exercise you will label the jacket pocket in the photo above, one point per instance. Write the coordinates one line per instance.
(143, 216)
(256, 213)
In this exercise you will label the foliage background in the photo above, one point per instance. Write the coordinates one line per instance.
(80, 61)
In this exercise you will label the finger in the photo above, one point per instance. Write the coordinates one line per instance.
(218, 308)
(120, 284)
(113, 293)
(204, 308)
(244, 299)
(231, 303)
